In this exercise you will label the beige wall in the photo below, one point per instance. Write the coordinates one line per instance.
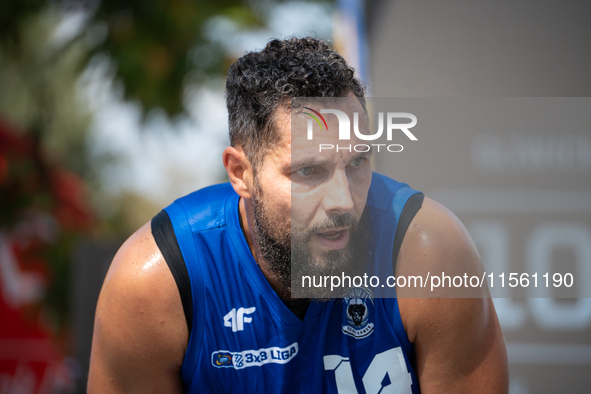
(528, 204)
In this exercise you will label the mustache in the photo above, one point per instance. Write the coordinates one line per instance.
(334, 221)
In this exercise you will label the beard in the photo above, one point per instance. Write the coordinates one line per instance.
(286, 250)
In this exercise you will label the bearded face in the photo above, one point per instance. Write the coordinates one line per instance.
(286, 248)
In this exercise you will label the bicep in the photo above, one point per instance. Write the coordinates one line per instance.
(140, 333)
(462, 350)
(128, 358)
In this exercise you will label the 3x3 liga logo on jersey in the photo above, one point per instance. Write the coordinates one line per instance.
(254, 358)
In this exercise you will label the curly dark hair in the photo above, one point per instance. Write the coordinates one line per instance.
(260, 82)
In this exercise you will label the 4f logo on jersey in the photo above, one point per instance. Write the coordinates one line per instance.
(237, 317)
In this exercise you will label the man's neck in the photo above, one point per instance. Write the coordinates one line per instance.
(244, 224)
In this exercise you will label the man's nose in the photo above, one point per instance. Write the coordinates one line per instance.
(338, 198)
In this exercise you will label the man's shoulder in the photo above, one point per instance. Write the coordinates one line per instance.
(209, 195)
(436, 229)
(385, 192)
(382, 184)
(139, 281)
(202, 209)
(436, 244)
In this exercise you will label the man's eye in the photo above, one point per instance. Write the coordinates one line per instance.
(357, 162)
(305, 171)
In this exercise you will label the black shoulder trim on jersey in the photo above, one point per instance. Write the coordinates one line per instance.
(165, 238)
(412, 206)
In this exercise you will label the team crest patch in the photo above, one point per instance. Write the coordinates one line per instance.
(358, 304)
(254, 358)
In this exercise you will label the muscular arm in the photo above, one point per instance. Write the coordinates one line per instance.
(458, 341)
(140, 333)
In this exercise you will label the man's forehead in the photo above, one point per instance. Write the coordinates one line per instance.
(319, 121)
(302, 106)
(291, 123)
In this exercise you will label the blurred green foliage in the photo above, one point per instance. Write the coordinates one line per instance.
(148, 41)
(12, 15)
(38, 80)
(156, 48)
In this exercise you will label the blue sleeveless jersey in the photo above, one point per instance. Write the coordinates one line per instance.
(245, 339)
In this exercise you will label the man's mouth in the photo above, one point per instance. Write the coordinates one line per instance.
(334, 239)
(331, 235)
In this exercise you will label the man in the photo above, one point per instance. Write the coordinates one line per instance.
(200, 298)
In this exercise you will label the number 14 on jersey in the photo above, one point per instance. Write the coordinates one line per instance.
(387, 374)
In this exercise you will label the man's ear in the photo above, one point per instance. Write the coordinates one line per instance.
(239, 170)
